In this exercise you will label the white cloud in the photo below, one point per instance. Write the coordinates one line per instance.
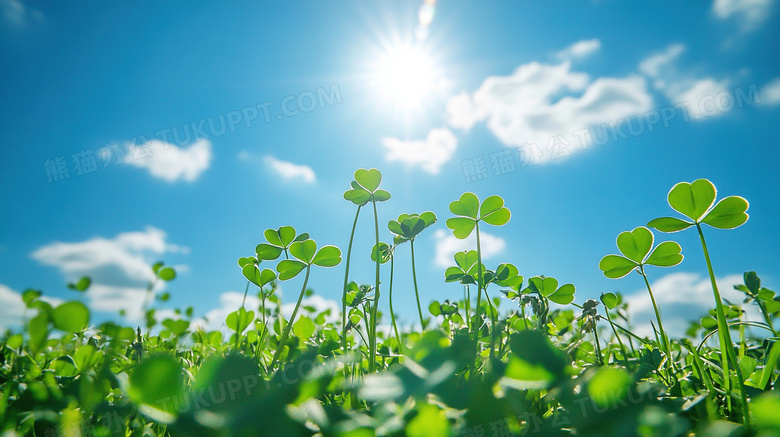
(655, 64)
(170, 162)
(698, 94)
(120, 267)
(17, 14)
(287, 170)
(538, 102)
(430, 154)
(447, 245)
(12, 307)
(681, 298)
(579, 50)
(751, 13)
(770, 93)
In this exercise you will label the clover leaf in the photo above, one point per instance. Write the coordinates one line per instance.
(469, 211)
(278, 241)
(408, 226)
(695, 201)
(548, 287)
(635, 246)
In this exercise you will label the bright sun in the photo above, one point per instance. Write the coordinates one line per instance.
(406, 75)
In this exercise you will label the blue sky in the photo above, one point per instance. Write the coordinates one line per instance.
(188, 129)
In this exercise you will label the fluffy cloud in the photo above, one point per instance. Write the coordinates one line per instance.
(447, 245)
(538, 102)
(770, 93)
(681, 298)
(698, 93)
(751, 13)
(170, 162)
(430, 154)
(288, 170)
(120, 267)
(579, 50)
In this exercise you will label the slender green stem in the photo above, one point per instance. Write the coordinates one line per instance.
(372, 334)
(479, 278)
(416, 293)
(726, 345)
(346, 283)
(467, 297)
(614, 330)
(392, 313)
(286, 331)
(664, 338)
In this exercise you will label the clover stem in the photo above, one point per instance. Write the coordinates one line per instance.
(614, 330)
(392, 314)
(467, 298)
(479, 275)
(664, 338)
(726, 345)
(246, 290)
(287, 329)
(416, 293)
(346, 279)
(372, 334)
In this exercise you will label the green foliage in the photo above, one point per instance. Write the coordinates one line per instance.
(527, 368)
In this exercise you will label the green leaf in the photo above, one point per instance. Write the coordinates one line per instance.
(70, 316)
(38, 328)
(609, 385)
(616, 266)
(240, 319)
(327, 256)
(428, 217)
(498, 218)
(272, 236)
(29, 296)
(380, 196)
(157, 382)
(461, 226)
(666, 254)
(304, 250)
(535, 348)
(289, 269)
(157, 266)
(490, 205)
(382, 250)
(435, 308)
(466, 206)
(286, 235)
(466, 259)
(304, 328)
(430, 421)
(166, 274)
(522, 375)
(692, 199)
(636, 244)
(669, 224)
(357, 195)
(267, 251)
(545, 286)
(244, 261)
(369, 179)
(564, 295)
(610, 300)
(752, 282)
(729, 213)
(82, 284)
(255, 276)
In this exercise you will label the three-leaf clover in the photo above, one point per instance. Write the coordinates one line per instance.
(306, 254)
(492, 211)
(695, 201)
(548, 287)
(408, 226)
(635, 246)
(365, 188)
(278, 241)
